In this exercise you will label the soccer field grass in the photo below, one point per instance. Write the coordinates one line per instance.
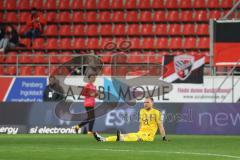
(78, 147)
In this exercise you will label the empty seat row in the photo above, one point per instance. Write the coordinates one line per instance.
(119, 16)
(37, 57)
(131, 29)
(135, 43)
(115, 4)
(33, 70)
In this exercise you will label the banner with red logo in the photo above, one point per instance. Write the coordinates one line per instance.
(183, 68)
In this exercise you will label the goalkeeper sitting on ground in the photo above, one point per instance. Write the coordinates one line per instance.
(150, 122)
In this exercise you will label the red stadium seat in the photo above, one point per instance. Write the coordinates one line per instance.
(64, 4)
(25, 58)
(186, 16)
(135, 43)
(226, 4)
(54, 57)
(2, 70)
(104, 16)
(11, 17)
(202, 29)
(79, 17)
(117, 4)
(199, 4)
(11, 57)
(93, 43)
(26, 70)
(118, 16)
(24, 4)
(25, 41)
(216, 14)
(203, 43)
(131, 4)
(147, 29)
(91, 16)
(159, 16)
(154, 70)
(91, 4)
(1, 5)
(52, 43)
(37, 4)
(50, 4)
(160, 29)
(65, 30)
(201, 15)
(119, 29)
(51, 30)
(144, 4)
(173, 16)
(132, 16)
(11, 5)
(135, 58)
(51, 16)
(106, 29)
(77, 4)
(79, 30)
(79, 43)
(39, 43)
(146, 16)
(176, 43)
(92, 29)
(119, 70)
(213, 4)
(189, 43)
(65, 17)
(158, 4)
(185, 4)
(22, 16)
(66, 43)
(104, 4)
(189, 29)
(148, 43)
(39, 57)
(11, 70)
(175, 29)
(40, 70)
(107, 70)
(171, 4)
(1, 16)
(133, 29)
(162, 43)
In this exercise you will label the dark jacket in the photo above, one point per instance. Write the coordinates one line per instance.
(53, 93)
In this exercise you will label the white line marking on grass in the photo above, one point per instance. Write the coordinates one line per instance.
(46, 149)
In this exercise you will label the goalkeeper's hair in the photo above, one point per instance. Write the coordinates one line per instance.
(150, 98)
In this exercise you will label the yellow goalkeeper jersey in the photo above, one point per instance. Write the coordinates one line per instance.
(149, 121)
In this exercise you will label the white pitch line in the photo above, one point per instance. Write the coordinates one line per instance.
(38, 149)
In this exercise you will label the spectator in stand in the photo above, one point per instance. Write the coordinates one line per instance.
(9, 38)
(35, 24)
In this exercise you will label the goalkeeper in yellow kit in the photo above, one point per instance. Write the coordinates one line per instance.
(150, 122)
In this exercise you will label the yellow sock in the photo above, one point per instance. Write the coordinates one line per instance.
(111, 139)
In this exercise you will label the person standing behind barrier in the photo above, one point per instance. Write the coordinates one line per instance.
(53, 91)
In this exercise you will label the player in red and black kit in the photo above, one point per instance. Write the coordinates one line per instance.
(90, 93)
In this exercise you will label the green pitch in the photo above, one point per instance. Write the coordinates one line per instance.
(84, 147)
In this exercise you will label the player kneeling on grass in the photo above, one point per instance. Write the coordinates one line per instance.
(150, 122)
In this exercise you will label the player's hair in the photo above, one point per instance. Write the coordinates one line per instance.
(150, 98)
(52, 76)
(90, 75)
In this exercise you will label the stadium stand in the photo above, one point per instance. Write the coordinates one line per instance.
(157, 26)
